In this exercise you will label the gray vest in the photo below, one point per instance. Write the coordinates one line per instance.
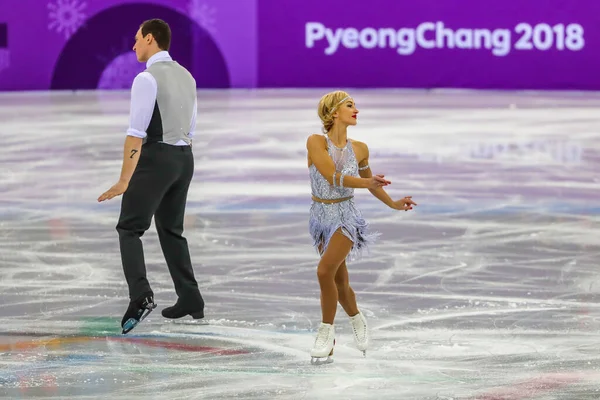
(175, 100)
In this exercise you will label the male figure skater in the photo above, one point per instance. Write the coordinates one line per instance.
(158, 166)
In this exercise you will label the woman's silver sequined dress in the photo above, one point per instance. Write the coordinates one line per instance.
(325, 219)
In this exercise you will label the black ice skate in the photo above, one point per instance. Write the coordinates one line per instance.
(180, 310)
(137, 312)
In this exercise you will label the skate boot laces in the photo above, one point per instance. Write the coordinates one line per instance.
(322, 336)
(358, 325)
(360, 330)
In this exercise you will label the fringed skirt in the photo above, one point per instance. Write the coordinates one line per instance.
(326, 219)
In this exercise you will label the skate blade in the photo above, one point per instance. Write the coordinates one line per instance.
(362, 347)
(189, 322)
(132, 322)
(321, 360)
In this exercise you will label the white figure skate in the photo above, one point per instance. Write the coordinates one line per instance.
(360, 331)
(322, 351)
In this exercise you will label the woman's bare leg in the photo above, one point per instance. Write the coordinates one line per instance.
(346, 295)
(338, 249)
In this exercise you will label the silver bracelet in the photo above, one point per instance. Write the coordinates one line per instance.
(342, 180)
(363, 168)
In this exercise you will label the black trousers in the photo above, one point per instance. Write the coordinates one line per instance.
(158, 188)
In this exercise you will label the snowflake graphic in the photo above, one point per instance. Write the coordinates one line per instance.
(66, 16)
(120, 72)
(4, 59)
(203, 14)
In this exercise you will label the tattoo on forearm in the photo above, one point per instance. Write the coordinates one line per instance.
(133, 153)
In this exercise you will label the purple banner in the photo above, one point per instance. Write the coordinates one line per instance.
(87, 44)
(508, 44)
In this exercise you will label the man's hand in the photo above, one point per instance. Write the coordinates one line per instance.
(118, 189)
(131, 156)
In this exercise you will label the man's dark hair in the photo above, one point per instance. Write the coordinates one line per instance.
(160, 31)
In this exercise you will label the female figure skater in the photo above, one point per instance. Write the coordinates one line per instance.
(337, 166)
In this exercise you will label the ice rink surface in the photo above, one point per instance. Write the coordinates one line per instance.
(487, 290)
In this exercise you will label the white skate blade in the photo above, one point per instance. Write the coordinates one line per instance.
(321, 360)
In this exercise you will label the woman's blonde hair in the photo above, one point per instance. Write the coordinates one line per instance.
(328, 105)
